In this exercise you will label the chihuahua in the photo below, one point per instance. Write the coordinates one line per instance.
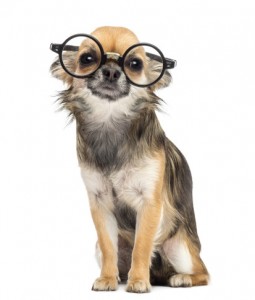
(139, 184)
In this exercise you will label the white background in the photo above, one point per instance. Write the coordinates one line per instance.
(47, 238)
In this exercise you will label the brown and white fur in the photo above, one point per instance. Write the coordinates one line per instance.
(138, 183)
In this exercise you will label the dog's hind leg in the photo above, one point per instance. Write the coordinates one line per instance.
(184, 256)
(124, 258)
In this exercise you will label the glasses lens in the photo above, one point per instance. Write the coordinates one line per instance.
(81, 56)
(143, 65)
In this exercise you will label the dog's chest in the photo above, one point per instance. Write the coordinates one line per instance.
(131, 186)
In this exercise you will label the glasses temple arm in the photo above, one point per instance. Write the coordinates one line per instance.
(170, 63)
(57, 48)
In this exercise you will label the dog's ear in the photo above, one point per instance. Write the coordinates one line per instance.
(165, 80)
(58, 72)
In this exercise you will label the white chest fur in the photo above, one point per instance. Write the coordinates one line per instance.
(133, 184)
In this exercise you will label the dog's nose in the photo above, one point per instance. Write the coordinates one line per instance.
(111, 74)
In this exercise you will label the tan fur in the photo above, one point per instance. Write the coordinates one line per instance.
(200, 274)
(169, 218)
(109, 272)
(115, 39)
(148, 220)
(118, 40)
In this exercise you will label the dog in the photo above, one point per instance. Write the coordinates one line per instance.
(139, 184)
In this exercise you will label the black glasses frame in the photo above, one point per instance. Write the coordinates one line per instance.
(168, 63)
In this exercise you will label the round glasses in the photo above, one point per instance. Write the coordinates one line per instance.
(81, 55)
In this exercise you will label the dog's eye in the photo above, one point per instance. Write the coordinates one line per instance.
(135, 64)
(87, 59)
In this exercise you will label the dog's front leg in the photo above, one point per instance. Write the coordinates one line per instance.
(101, 206)
(106, 228)
(147, 223)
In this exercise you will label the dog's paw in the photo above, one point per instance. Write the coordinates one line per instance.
(138, 286)
(105, 284)
(180, 280)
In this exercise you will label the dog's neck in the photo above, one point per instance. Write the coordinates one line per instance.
(108, 131)
(103, 129)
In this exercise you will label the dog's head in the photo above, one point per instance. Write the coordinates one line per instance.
(110, 81)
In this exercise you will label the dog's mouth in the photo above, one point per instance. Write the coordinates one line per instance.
(111, 91)
(109, 86)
